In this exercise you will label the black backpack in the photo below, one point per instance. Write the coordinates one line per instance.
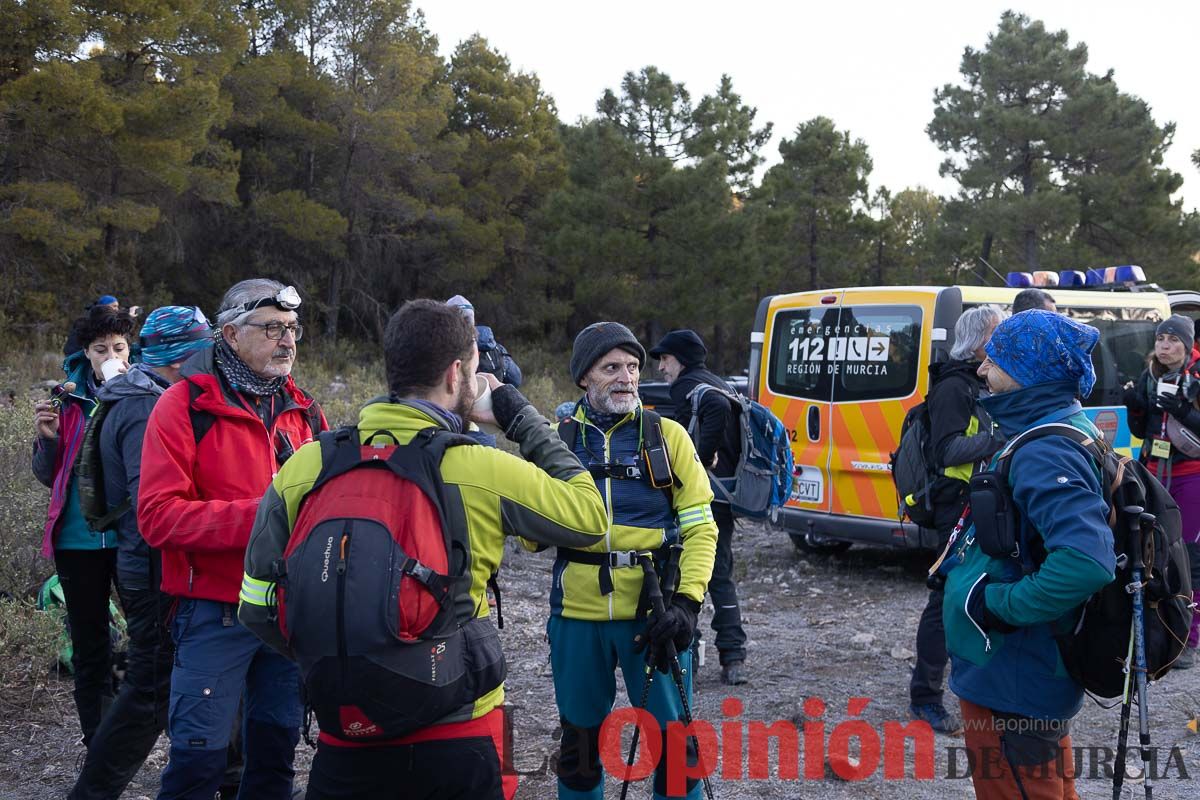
(1094, 651)
(913, 471)
(89, 475)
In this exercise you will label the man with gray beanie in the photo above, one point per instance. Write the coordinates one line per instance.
(213, 443)
(657, 495)
(716, 433)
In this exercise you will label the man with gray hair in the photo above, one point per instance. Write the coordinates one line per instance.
(961, 436)
(213, 443)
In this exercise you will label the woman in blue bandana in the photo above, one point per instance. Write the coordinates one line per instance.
(1001, 612)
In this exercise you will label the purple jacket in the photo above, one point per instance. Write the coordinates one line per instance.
(53, 459)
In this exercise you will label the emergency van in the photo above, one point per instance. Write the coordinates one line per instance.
(841, 368)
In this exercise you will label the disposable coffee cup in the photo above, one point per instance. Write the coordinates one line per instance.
(483, 402)
(112, 368)
(1168, 388)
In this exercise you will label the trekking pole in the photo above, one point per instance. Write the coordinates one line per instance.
(658, 607)
(1143, 526)
(1126, 704)
(652, 587)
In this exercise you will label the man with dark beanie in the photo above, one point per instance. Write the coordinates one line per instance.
(597, 622)
(714, 430)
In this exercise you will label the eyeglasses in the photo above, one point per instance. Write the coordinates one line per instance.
(274, 330)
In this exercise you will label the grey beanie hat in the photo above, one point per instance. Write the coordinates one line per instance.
(1182, 327)
(597, 339)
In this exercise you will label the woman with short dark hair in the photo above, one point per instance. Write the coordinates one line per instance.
(84, 559)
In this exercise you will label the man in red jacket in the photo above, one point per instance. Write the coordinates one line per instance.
(213, 442)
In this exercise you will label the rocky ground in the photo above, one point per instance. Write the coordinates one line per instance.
(833, 628)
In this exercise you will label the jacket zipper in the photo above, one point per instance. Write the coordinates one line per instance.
(609, 510)
(987, 642)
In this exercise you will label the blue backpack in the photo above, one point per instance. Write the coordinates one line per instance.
(762, 483)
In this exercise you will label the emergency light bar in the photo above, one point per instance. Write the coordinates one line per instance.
(1106, 276)
(1110, 275)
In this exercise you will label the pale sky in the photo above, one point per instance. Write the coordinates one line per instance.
(870, 66)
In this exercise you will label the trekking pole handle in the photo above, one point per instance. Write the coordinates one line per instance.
(1134, 513)
(655, 595)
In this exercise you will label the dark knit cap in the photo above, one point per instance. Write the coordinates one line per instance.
(597, 339)
(686, 345)
(1182, 327)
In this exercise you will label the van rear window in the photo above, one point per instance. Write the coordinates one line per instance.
(846, 354)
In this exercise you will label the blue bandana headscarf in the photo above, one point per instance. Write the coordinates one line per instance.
(172, 333)
(1038, 346)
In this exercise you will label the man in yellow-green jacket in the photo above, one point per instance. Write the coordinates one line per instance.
(431, 360)
(596, 591)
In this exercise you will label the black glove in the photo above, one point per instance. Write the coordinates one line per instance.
(978, 611)
(507, 403)
(676, 625)
(1177, 405)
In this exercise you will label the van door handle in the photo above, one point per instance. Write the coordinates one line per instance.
(814, 423)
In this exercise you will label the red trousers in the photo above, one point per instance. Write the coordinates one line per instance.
(1044, 770)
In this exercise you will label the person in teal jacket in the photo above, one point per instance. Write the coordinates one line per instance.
(85, 560)
(1001, 614)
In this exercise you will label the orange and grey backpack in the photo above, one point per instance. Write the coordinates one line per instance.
(373, 591)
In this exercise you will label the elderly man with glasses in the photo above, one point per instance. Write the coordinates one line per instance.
(213, 443)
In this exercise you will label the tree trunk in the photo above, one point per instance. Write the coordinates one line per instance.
(814, 267)
(1030, 231)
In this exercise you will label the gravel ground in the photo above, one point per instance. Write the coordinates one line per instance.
(833, 628)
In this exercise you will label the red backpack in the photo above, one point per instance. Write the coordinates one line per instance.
(374, 592)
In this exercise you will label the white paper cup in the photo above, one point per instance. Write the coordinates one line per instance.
(483, 402)
(112, 368)
(1167, 388)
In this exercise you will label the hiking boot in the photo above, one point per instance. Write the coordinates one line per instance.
(731, 674)
(1187, 659)
(941, 720)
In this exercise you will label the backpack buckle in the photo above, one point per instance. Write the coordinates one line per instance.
(415, 569)
(623, 559)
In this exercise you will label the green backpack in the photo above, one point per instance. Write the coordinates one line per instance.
(51, 597)
(89, 475)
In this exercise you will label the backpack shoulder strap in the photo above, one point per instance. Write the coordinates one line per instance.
(1096, 447)
(652, 436)
(312, 414)
(568, 429)
(340, 453)
(202, 421)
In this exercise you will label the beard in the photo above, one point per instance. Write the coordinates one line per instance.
(604, 401)
(279, 369)
(464, 399)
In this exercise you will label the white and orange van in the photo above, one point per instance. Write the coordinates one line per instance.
(841, 367)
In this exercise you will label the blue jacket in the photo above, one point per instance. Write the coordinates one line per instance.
(494, 358)
(1056, 487)
(133, 395)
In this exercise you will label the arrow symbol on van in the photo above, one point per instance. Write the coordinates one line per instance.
(878, 348)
